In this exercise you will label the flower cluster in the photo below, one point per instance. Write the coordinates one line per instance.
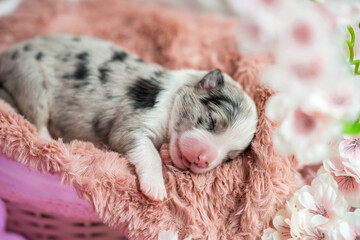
(319, 211)
(316, 101)
(329, 208)
(316, 90)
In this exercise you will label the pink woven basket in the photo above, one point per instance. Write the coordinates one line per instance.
(40, 207)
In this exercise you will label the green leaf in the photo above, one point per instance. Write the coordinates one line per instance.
(351, 128)
(350, 45)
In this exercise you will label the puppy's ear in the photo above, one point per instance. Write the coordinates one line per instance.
(212, 80)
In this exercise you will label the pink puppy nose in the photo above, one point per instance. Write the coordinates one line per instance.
(201, 161)
(198, 153)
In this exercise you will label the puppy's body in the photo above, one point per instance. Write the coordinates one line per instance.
(89, 89)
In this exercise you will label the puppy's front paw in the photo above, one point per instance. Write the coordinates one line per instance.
(153, 188)
(165, 154)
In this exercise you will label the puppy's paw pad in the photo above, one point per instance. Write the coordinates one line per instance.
(155, 192)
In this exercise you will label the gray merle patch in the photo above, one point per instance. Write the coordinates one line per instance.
(39, 56)
(220, 102)
(82, 56)
(144, 92)
(158, 73)
(64, 58)
(81, 84)
(81, 72)
(119, 56)
(104, 74)
(27, 47)
(14, 55)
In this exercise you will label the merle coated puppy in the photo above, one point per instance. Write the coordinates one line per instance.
(78, 87)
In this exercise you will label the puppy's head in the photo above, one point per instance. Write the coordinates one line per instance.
(213, 120)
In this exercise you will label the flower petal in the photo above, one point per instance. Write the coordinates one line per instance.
(318, 220)
(307, 200)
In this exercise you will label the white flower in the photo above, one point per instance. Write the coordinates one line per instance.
(270, 234)
(278, 106)
(254, 36)
(348, 228)
(345, 171)
(299, 71)
(169, 235)
(324, 204)
(349, 148)
(315, 208)
(304, 55)
(309, 121)
(301, 227)
(260, 28)
(304, 30)
(282, 223)
(343, 12)
(328, 202)
(272, 7)
(296, 71)
(306, 134)
(338, 100)
(350, 189)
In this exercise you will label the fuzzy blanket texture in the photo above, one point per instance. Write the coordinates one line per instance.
(237, 200)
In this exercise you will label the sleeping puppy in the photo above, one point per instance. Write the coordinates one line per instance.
(84, 88)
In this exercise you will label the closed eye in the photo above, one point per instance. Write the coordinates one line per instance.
(216, 125)
(212, 123)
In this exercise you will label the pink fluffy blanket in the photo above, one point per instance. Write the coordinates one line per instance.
(236, 200)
